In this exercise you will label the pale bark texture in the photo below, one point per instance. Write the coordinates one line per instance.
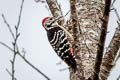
(55, 10)
(89, 22)
(89, 25)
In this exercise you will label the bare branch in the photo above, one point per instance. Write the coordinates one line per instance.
(61, 17)
(117, 14)
(118, 77)
(33, 66)
(42, 1)
(14, 57)
(10, 74)
(110, 55)
(21, 8)
(2, 43)
(113, 3)
(59, 63)
(5, 21)
(64, 69)
(100, 49)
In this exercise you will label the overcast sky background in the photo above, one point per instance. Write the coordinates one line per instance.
(33, 38)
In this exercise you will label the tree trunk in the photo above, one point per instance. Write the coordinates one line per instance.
(89, 25)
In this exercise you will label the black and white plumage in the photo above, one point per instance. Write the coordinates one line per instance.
(59, 41)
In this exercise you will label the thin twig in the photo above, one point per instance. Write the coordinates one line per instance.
(42, 1)
(59, 63)
(59, 18)
(118, 77)
(113, 3)
(33, 66)
(21, 8)
(5, 21)
(2, 43)
(64, 69)
(64, 15)
(110, 55)
(116, 13)
(10, 74)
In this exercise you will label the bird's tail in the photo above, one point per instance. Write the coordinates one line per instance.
(72, 63)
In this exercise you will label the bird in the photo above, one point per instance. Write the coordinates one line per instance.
(57, 37)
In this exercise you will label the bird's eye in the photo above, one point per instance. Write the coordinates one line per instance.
(50, 18)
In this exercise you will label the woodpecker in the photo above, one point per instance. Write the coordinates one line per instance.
(59, 41)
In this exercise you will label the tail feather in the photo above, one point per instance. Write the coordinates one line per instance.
(73, 66)
(72, 63)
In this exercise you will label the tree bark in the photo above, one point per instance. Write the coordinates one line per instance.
(89, 26)
(76, 33)
(55, 10)
(110, 56)
(101, 43)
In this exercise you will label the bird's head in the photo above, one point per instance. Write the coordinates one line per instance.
(44, 21)
(47, 21)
